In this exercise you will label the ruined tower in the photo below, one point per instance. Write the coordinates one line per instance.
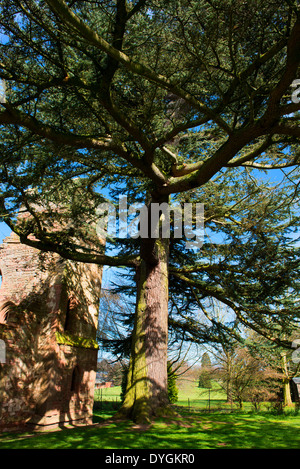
(48, 322)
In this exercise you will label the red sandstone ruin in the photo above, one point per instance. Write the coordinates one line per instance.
(48, 322)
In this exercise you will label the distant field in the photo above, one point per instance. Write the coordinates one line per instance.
(189, 395)
(108, 394)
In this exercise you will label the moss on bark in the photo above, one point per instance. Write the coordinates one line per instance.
(147, 390)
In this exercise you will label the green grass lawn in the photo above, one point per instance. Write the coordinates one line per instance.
(194, 430)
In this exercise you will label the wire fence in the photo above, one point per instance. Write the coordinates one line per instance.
(107, 397)
(205, 401)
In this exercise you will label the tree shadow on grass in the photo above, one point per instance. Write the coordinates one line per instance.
(200, 432)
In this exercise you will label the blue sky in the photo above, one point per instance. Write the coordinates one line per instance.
(4, 231)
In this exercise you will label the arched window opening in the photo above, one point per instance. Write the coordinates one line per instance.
(3, 316)
(75, 382)
(71, 314)
(68, 316)
(6, 310)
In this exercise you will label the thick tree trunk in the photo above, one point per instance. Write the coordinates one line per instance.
(229, 381)
(287, 398)
(146, 390)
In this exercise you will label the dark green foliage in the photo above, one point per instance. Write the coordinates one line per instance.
(123, 383)
(205, 373)
(172, 387)
(204, 380)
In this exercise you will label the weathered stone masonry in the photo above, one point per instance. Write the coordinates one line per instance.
(48, 322)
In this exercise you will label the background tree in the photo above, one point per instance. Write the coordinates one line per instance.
(205, 373)
(172, 386)
(154, 98)
(246, 377)
(110, 370)
(282, 360)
